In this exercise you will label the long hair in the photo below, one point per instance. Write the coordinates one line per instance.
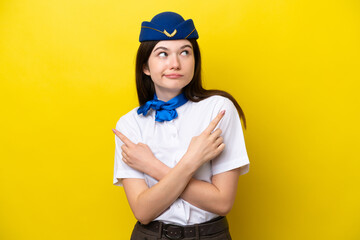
(194, 91)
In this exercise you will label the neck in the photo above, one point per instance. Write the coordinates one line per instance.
(166, 96)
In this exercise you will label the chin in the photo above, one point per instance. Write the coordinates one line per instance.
(174, 87)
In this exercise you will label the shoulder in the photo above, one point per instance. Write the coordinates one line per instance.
(216, 102)
(128, 120)
(207, 109)
(213, 105)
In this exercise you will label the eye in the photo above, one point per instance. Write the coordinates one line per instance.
(186, 52)
(162, 54)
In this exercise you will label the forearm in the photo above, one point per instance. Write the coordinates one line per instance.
(199, 193)
(207, 196)
(147, 203)
(151, 202)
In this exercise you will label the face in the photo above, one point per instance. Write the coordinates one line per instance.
(171, 67)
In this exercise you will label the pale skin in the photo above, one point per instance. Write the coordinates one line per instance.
(147, 203)
(178, 182)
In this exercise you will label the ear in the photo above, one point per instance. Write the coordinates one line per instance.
(146, 69)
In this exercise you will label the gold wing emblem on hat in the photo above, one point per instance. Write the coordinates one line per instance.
(170, 35)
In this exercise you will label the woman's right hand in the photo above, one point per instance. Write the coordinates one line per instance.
(208, 144)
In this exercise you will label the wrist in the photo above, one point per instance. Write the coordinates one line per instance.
(188, 161)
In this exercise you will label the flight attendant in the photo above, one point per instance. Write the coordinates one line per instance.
(180, 153)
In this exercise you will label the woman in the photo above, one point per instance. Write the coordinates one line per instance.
(170, 156)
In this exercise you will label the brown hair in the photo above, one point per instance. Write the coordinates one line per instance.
(194, 91)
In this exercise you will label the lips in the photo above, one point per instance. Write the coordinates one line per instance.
(173, 75)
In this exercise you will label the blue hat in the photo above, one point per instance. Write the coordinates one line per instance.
(167, 26)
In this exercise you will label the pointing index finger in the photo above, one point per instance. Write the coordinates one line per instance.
(123, 138)
(214, 122)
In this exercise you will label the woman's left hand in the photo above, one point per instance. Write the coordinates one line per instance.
(138, 156)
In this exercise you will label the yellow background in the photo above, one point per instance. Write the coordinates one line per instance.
(67, 75)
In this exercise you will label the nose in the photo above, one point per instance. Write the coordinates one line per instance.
(175, 62)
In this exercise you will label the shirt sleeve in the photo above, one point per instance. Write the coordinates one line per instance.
(121, 170)
(234, 154)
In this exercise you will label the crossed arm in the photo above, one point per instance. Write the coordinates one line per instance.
(147, 203)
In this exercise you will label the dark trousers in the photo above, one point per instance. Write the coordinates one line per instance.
(216, 229)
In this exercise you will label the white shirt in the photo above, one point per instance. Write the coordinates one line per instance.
(169, 141)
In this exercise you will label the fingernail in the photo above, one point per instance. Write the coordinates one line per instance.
(113, 130)
(222, 112)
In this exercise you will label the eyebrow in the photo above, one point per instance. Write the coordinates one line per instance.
(164, 48)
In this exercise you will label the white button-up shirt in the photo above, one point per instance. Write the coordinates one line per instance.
(169, 141)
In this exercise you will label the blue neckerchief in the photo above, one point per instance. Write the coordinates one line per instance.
(165, 111)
